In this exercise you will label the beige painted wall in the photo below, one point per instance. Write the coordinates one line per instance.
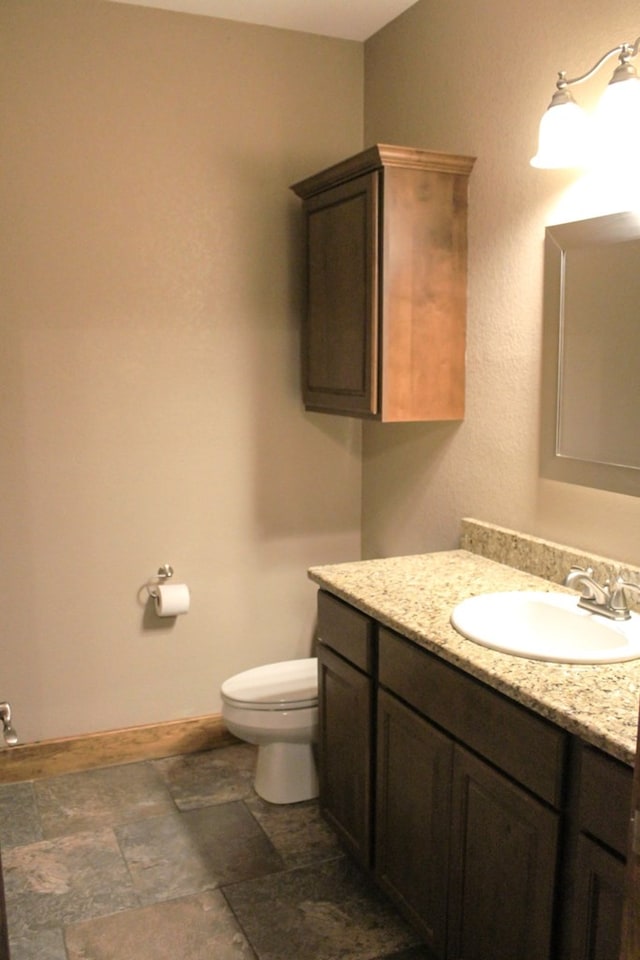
(474, 79)
(151, 293)
(149, 403)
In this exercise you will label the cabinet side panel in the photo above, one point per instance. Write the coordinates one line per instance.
(424, 268)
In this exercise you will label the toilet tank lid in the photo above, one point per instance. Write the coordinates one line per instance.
(284, 682)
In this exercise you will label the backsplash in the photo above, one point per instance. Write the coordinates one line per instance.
(542, 558)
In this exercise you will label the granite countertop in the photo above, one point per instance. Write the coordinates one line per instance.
(415, 596)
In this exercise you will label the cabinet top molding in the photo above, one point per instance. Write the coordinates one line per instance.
(379, 156)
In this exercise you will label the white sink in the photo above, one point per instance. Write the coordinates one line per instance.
(546, 626)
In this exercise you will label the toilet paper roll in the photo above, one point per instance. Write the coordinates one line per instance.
(172, 599)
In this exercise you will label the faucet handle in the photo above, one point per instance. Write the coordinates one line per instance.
(625, 585)
(582, 578)
(617, 597)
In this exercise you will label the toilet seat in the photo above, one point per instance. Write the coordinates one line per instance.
(288, 685)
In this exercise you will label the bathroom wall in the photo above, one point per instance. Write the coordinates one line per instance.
(150, 299)
(474, 81)
(149, 403)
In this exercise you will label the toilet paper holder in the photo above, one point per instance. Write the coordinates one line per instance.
(165, 572)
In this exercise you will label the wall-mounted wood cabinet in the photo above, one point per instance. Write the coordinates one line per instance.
(386, 254)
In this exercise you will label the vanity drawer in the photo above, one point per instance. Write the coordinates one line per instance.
(605, 798)
(347, 631)
(523, 745)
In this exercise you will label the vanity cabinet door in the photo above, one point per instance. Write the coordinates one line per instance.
(503, 867)
(345, 702)
(413, 805)
(594, 914)
(341, 333)
(596, 918)
(4, 932)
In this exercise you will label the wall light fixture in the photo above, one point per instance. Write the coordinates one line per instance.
(569, 137)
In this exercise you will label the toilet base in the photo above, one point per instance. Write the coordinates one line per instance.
(286, 773)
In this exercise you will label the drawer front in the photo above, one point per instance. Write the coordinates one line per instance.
(526, 747)
(605, 798)
(347, 631)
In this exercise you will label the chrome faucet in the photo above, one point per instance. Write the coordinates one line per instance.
(608, 599)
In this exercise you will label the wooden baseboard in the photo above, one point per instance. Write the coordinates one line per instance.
(50, 758)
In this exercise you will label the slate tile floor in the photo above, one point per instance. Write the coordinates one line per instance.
(179, 858)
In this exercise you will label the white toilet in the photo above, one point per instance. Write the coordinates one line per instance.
(276, 707)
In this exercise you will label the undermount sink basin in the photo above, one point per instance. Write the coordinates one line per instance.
(546, 626)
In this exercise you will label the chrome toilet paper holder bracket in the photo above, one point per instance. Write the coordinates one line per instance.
(165, 572)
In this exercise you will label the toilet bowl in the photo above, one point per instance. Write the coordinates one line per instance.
(276, 707)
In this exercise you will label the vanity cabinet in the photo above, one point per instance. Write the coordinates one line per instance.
(386, 263)
(345, 649)
(496, 833)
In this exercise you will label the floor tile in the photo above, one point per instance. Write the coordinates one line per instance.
(213, 776)
(45, 944)
(298, 831)
(96, 798)
(59, 881)
(198, 928)
(180, 858)
(196, 850)
(19, 817)
(322, 912)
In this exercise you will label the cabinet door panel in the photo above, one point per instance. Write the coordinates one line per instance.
(503, 866)
(340, 347)
(413, 796)
(344, 751)
(596, 917)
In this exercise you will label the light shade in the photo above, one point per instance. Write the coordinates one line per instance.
(617, 119)
(564, 137)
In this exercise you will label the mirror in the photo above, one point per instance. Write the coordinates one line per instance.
(591, 353)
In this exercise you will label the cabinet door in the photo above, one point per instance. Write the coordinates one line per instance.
(631, 916)
(596, 916)
(503, 867)
(344, 751)
(4, 932)
(340, 358)
(413, 798)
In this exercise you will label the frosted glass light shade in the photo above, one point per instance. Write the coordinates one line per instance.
(564, 137)
(617, 119)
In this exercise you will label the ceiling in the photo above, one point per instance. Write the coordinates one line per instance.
(349, 19)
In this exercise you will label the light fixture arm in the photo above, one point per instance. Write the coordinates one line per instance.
(625, 51)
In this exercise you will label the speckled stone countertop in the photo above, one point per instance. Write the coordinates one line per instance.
(415, 596)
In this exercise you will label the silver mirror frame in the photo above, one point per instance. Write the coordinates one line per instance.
(553, 465)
